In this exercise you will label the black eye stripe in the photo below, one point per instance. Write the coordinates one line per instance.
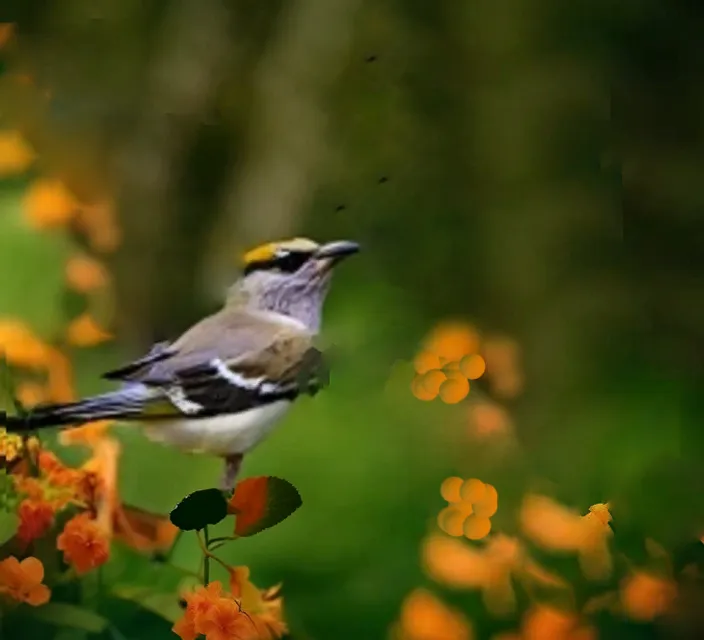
(287, 262)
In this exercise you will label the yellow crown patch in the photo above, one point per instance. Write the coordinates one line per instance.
(266, 252)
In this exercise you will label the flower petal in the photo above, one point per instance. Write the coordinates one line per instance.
(38, 595)
(33, 570)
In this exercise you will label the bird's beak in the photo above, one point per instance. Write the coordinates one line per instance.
(332, 252)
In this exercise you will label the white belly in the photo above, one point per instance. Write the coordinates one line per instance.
(223, 435)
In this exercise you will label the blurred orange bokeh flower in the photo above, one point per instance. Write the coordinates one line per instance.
(6, 31)
(22, 581)
(264, 607)
(84, 331)
(488, 568)
(48, 203)
(645, 596)
(98, 221)
(84, 542)
(15, 153)
(20, 346)
(503, 368)
(554, 527)
(60, 377)
(143, 531)
(424, 617)
(452, 340)
(489, 421)
(36, 517)
(89, 435)
(31, 394)
(542, 622)
(85, 274)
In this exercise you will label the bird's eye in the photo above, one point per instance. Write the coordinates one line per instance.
(290, 261)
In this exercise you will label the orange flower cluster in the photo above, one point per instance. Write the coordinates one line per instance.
(11, 446)
(472, 504)
(454, 354)
(244, 613)
(22, 581)
(447, 363)
(53, 489)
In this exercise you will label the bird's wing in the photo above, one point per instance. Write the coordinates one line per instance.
(233, 362)
(160, 351)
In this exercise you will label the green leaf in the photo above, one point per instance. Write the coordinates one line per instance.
(69, 615)
(262, 502)
(165, 605)
(690, 553)
(42, 254)
(8, 526)
(199, 509)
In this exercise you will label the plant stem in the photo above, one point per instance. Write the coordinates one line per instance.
(206, 559)
(170, 553)
(223, 539)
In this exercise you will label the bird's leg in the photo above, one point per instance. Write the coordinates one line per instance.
(232, 468)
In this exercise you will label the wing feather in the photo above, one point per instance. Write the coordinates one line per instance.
(229, 362)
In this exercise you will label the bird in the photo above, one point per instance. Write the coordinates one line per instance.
(227, 382)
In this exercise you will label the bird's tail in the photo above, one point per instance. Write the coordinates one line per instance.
(124, 404)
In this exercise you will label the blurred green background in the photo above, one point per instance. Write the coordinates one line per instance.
(533, 167)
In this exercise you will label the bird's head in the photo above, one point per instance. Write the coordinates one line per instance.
(290, 277)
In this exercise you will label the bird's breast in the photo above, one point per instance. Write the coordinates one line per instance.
(222, 435)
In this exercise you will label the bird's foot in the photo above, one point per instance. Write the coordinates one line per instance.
(232, 469)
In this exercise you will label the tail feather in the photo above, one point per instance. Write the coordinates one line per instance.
(125, 404)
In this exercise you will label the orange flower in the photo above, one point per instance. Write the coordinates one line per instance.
(210, 611)
(49, 203)
(20, 346)
(36, 516)
(225, 621)
(84, 331)
(645, 597)
(84, 543)
(84, 274)
(22, 581)
(264, 607)
(424, 617)
(185, 628)
(15, 154)
(557, 528)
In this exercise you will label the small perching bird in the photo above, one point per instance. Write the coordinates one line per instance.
(226, 382)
